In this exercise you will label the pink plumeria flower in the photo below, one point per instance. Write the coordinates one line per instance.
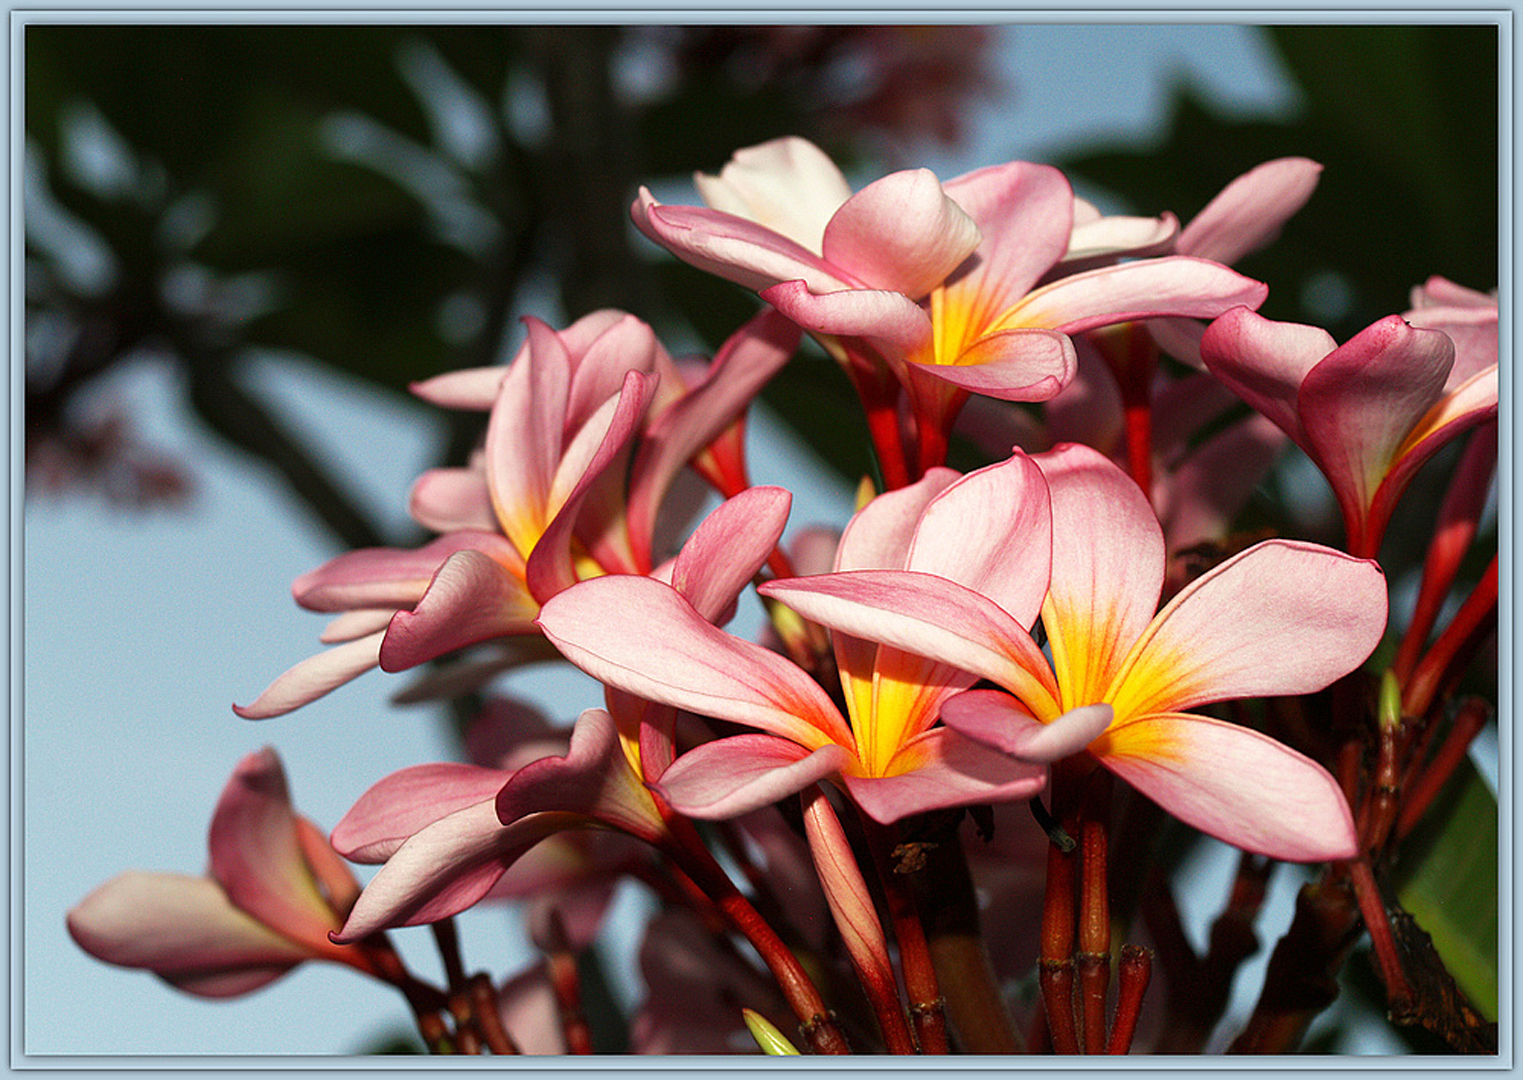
(274, 892)
(988, 530)
(449, 834)
(1368, 412)
(1281, 618)
(589, 428)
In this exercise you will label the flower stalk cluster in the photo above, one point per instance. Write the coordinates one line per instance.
(944, 770)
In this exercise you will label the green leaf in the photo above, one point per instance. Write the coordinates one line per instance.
(1447, 879)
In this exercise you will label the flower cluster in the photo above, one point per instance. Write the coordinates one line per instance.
(1072, 627)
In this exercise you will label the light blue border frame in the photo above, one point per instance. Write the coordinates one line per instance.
(864, 12)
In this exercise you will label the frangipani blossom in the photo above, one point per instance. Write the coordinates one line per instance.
(1281, 618)
(875, 278)
(1368, 412)
(589, 427)
(274, 892)
(988, 529)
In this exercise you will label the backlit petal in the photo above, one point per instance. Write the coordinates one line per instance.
(1235, 784)
(942, 768)
(729, 777)
(314, 677)
(901, 233)
(1284, 617)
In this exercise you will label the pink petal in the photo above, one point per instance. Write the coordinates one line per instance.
(600, 369)
(257, 859)
(672, 655)
(530, 1013)
(403, 803)
(1210, 487)
(1020, 364)
(1358, 404)
(728, 548)
(928, 616)
(1105, 238)
(998, 720)
(1107, 569)
(473, 388)
(355, 624)
(389, 577)
(445, 868)
(1025, 213)
(594, 780)
(1146, 288)
(891, 320)
(851, 904)
(185, 930)
(948, 770)
(1264, 362)
(878, 536)
(735, 249)
(596, 450)
(1195, 768)
(901, 233)
(1282, 618)
(991, 531)
(471, 599)
(748, 359)
(314, 677)
(788, 184)
(447, 500)
(1249, 212)
(734, 776)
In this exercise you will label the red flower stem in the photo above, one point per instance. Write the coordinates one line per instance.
(1136, 971)
(485, 1009)
(1139, 444)
(1458, 520)
(568, 995)
(1055, 970)
(1377, 814)
(1468, 722)
(467, 1039)
(927, 1009)
(1455, 646)
(448, 942)
(817, 1025)
(1387, 959)
(1093, 961)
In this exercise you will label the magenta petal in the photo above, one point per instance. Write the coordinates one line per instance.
(728, 548)
(185, 930)
(1237, 785)
(595, 780)
(256, 858)
(956, 771)
(403, 803)
(471, 599)
(314, 677)
(1000, 721)
(730, 777)
(901, 233)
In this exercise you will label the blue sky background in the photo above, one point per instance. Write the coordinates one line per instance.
(141, 629)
